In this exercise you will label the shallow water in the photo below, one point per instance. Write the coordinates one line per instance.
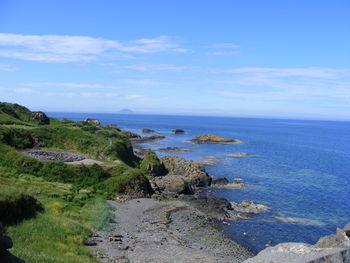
(299, 168)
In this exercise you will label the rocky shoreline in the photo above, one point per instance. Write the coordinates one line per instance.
(148, 230)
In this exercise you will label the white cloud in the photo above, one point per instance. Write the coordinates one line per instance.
(223, 53)
(95, 95)
(223, 49)
(24, 90)
(4, 67)
(54, 48)
(134, 97)
(287, 83)
(223, 45)
(157, 67)
(70, 85)
(145, 82)
(291, 72)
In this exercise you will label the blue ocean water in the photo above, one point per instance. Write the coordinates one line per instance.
(299, 168)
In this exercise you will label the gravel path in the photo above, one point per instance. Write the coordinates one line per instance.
(152, 231)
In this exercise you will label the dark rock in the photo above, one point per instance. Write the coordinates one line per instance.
(178, 131)
(40, 117)
(131, 135)
(6, 243)
(220, 181)
(178, 186)
(90, 242)
(139, 187)
(139, 151)
(191, 172)
(149, 138)
(173, 150)
(216, 207)
(148, 131)
(347, 229)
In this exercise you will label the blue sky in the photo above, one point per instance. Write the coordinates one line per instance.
(256, 58)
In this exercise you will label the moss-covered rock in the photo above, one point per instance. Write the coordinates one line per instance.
(209, 138)
(132, 183)
(152, 164)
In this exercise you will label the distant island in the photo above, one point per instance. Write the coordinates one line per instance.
(126, 111)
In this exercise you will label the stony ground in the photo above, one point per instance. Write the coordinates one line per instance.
(44, 155)
(154, 231)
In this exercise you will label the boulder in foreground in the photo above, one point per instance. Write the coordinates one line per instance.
(209, 138)
(329, 249)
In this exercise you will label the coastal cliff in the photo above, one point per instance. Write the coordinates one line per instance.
(57, 175)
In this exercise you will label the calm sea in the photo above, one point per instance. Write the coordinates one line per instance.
(299, 168)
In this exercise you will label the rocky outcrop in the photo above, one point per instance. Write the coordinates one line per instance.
(137, 187)
(173, 150)
(5, 244)
(131, 135)
(52, 156)
(178, 131)
(149, 138)
(92, 121)
(209, 160)
(214, 207)
(209, 138)
(248, 207)
(237, 155)
(223, 182)
(301, 253)
(145, 130)
(329, 249)
(40, 117)
(191, 172)
(152, 164)
(340, 239)
(177, 186)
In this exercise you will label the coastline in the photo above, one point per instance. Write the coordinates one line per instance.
(186, 228)
(149, 230)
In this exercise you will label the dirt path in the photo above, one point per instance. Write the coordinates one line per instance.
(164, 232)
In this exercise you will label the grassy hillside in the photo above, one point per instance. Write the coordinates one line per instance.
(51, 207)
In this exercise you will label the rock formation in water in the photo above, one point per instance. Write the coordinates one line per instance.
(209, 138)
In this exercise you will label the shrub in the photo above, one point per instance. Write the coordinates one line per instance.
(16, 137)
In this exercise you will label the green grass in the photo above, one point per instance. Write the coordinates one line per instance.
(56, 234)
(52, 207)
(18, 138)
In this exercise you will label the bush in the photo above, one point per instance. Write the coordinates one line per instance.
(16, 205)
(16, 137)
(132, 181)
(122, 150)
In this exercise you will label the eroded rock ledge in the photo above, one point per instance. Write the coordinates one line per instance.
(329, 249)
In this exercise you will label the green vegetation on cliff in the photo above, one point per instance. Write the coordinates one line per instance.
(51, 207)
